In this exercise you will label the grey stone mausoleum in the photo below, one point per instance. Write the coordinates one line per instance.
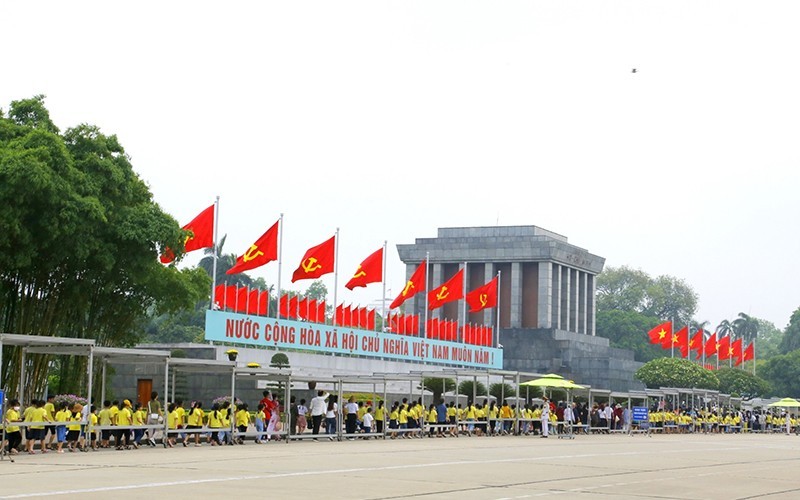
(547, 299)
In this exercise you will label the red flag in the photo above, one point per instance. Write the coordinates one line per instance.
(201, 235)
(283, 306)
(696, 342)
(293, 307)
(347, 316)
(369, 271)
(710, 348)
(680, 341)
(413, 286)
(749, 353)
(371, 320)
(230, 297)
(735, 352)
(317, 261)
(241, 300)
(661, 333)
(483, 297)
(452, 289)
(321, 312)
(264, 250)
(724, 347)
(252, 302)
(363, 318)
(219, 297)
(312, 311)
(302, 309)
(263, 303)
(339, 315)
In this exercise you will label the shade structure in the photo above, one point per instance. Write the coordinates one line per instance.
(785, 403)
(560, 383)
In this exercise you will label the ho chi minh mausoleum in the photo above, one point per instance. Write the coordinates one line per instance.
(547, 299)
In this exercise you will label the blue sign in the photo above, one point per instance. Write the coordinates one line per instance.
(288, 334)
(640, 414)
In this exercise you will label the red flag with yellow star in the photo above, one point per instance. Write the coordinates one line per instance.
(736, 352)
(416, 284)
(264, 250)
(680, 341)
(724, 348)
(749, 353)
(317, 261)
(696, 342)
(452, 289)
(201, 235)
(369, 271)
(483, 297)
(661, 333)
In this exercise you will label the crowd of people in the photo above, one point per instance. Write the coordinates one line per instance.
(123, 425)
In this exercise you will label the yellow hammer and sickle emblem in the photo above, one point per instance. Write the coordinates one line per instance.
(252, 253)
(443, 293)
(359, 272)
(408, 288)
(310, 265)
(484, 298)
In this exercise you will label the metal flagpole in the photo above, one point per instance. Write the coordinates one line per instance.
(280, 259)
(424, 330)
(214, 252)
(335, 270)
(383, 279)
(754, 357)
(497, 325)
(464, 319)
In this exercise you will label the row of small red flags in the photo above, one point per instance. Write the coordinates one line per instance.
(256, 302)
(722, 347)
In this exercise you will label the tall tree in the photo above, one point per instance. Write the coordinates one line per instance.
(746, 327)
(664, 297)
(791, 336)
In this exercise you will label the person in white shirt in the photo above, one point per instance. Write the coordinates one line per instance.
(545, 417)
(609, 415)
(318, 405)
(568, 420)
(366, 422)
(331, 413)
(351, 418)
(302, 422)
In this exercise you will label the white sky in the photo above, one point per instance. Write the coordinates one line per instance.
(391, 119)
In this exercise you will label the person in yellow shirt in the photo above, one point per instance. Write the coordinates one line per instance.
(195, 421)
(394, 418)
(403, 421)
(124, 420)
(172, 424)
(432, 419)
(62, 416)
(91, 432)
(36, 431)
(380, 417)
(13, 433)
(215, 423)
(181, 420)
(74, 427)
(242, 422)
(50, 430)
(139, 418)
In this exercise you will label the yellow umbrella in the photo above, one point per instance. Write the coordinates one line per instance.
(552, 382)
(785, 403)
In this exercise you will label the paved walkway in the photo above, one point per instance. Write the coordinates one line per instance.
(610, 466)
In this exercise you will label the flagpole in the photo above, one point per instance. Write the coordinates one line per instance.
(464, 320)
(214, 252)
(424, 331)
(754, 357)
(497, 325)
(280, 259)
(335, 270)
(383, 302)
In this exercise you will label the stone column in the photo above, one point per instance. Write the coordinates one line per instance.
(582, 303)
(489, 315)
(545, 295)
(565, 296)
(592, 306)
(556, 296)
(573, 310)
(516, 295)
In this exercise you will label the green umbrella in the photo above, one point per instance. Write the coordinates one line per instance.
(785, 403)
(552, 382)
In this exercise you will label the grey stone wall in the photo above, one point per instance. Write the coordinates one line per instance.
(582, 358)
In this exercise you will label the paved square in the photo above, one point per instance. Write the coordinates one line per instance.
(611, 466)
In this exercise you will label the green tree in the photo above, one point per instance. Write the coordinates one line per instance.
(80, 241)
(502, 391)
(791, 336)
(280, 361)
(676, 372)
(467, 387)
(317, 291)
(628, 330)
(438, 386)
(783, 373)
(746, 327)
(664, 297)
(741, 383)
(769, 340)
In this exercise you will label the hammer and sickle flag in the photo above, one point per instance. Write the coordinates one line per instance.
(201, 235)
(264, 250)
(369, 271)
(483, 297)
(317, 261)
(413, 286)
(452, 289)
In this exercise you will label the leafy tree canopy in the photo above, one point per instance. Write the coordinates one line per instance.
(783, 373)
(741, 383)
(628, 330)
(791, 336)
(676, 372)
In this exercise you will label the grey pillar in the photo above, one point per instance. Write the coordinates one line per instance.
(545, 297)
(565, 285)
(573, 299)
(516, 295)
(591, 308)
(489, 315)
(556, 296)
(436, 272)
(582, 299)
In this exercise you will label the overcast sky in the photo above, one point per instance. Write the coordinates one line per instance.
(391, 119)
